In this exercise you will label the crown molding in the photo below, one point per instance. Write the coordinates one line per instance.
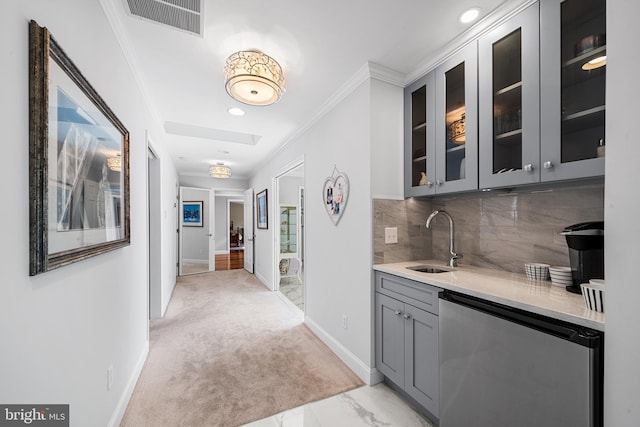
(495, 18)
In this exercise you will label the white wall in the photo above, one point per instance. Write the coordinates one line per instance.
(61, 330)
(387, 145)
(338, 258)
(238, 184)
(622, 228)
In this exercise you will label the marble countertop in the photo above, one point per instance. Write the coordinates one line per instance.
(511, 289)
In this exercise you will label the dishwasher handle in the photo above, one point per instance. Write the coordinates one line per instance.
(581, 335)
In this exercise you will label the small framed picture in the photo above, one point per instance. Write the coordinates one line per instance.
(192, 214)
(262, 210)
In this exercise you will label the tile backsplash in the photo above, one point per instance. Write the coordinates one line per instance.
(494, 230)
(414, 240)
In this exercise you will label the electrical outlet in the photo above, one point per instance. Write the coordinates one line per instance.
(345, 321)
(390, 235)
(109, 377)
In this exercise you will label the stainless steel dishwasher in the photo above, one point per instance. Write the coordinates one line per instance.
(504, 367)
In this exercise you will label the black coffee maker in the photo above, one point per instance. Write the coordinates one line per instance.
(586, 252)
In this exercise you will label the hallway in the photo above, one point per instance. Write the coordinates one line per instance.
(228, 352)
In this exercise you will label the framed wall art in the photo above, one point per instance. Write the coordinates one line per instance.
(335, 193)
(262, 214)
(78, 162)
(192, 214)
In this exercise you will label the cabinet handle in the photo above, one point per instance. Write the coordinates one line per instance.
(398, 312)
(528, 167)
(438, 182)
(547, 165)
(407, 316)
(429, 184)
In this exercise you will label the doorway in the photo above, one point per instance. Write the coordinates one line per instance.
(232, 257)
(289, 249)
(197, 225)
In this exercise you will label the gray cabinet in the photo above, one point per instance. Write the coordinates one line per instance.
(509, 102)
(456, 143)
(573, 71)
(407, 337)
(524, 104)
(419, 134)
(441, 128)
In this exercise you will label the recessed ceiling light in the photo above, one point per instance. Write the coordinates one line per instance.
(470, 15)
(235, 111)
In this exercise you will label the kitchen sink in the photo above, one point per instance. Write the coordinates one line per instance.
(429, 269)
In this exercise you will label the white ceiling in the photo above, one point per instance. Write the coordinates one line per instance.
(320, 46)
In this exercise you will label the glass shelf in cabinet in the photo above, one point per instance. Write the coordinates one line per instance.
(508, 137)
(509, 88)
(420, 126)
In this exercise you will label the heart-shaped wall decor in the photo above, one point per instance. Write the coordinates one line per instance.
(335, 194)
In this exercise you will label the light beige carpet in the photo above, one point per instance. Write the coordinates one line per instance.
(227, 352)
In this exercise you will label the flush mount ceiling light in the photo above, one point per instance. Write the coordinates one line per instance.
(115, 163)
(470, 15)
(220, 171)
(598, 62)
(253, 78)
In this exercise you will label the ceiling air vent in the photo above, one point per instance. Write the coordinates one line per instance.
(185, 15)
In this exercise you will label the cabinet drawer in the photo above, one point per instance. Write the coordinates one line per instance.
(418, 294)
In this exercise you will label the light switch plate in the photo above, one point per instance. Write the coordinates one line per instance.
(390, 235)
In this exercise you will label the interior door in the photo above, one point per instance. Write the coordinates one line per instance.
(212, 228)
(197, 243)
(248, 230)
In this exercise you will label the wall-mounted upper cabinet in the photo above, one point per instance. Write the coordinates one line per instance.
(509, 102)
(419, 134)
(456, 160)
(441, 128)
(523, 104)
(573, 67)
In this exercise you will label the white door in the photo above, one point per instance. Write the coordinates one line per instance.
(197, 241)
(248, 230)
(212, 229)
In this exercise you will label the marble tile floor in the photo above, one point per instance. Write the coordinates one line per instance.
(368, 406)
(293, 291)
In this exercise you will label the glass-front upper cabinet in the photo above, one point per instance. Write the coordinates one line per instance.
(509, 125)
(456, 120)
(419, 134)
(573, 66)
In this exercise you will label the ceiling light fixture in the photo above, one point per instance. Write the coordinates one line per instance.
(598, 62)
(470, 15)
(235, 111)
(253, 78)
(220, 171)
(115, 163)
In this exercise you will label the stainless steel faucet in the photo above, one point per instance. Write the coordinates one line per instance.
(454, 255)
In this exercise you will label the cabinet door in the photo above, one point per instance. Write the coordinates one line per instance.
(572, 64)
(422, 374)
(419, 135)
(457, 122)
(390, 338)
(510, 102)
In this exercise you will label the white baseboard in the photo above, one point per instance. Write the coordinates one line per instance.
(222, 252)
(369, 375)
(121, 407)
(264, 281)
(196, 261)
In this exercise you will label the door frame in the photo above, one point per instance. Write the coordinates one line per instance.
(211, 219)
(154, 231)
(229, 201)
(275, 214)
